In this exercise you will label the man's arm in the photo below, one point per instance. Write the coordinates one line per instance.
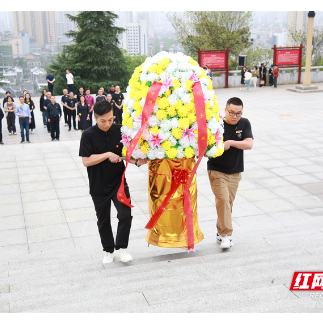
(99, 158)
(245, 144)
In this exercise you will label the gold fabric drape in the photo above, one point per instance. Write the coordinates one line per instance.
(170, 230)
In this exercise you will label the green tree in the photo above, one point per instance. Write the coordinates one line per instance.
(212, 30)
(132, 61)
(257, 55)
(93, 56)
(300, 37)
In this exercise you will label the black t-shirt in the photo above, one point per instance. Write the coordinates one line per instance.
(117, 98)
(64, 98)
(100, 98)
(46, 102)
(105, 177)
(111, 92)
(231, 161)
(71, 102)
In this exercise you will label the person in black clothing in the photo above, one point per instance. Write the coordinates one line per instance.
(100, 97)
(112, 90)
(225, 171)
(243, 72)
(41, 105)
(71, 104)
(1, 117)
(109, 99)
(46, 102)
(81, 92)
(54, 113)
(271, 77)
(103, 93)
(118, 100)
(6, 98)
(50, 81)
(100, 149)
(262, 74)
(83, 114)
(32, 107)
(65, 110)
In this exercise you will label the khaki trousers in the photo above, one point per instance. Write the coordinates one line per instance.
(224, 187)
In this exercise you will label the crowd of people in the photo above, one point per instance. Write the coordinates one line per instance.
(76, 108)
(248, 77)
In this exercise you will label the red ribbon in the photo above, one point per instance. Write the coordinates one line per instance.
(148, 107)
(180, 177)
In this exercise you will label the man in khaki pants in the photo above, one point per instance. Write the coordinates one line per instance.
(225, 171)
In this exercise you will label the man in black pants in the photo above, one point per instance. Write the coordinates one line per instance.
(54, 113)
(100, 149)
(65, 110)
(46, 102)
(71, 104)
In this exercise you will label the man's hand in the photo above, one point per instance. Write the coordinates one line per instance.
(59, 118)
(21, 115)
(79, 119)
(114, 158)
(48, 120)
(226, 145)
(29, 120)
(142, 161)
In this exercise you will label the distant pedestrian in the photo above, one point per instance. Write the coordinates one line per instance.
(247, 79)
(32, 107)
(100, 96)
(114, 108)
(112, 90)
(70, 81)
(24, 92)
(46, 102)
(243, 71)
(50, 81)
(275, 75)
(71, 104)
(65, 110)
(54, 113)
(262, 74)
(255, 75)
(10, 110)
(23, 112)
(81, 92)
(271, 78)
(118, 100)
(5, 99)
(41, 105)
(90, 102)
(83, 114)
(1, 117)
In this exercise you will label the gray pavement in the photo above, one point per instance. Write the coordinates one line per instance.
(50, 251)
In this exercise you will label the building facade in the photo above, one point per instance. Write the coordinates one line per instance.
(296, 20)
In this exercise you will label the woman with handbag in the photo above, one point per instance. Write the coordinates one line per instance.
(31, 105)
(10, 109)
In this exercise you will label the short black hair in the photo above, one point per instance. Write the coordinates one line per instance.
(8, 92)
(102, 107)
(87, 89)
(21, 96)
(234, 101)
(111, 85)
(9, 96)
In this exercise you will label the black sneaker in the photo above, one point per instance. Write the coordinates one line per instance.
(28, 141)
(75, 129)
(57, 139)
(1, 143)
(22, 141)
(53, 139)
(69, 129)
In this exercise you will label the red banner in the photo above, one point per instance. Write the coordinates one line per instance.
(213, 60)
(287, 57)
(307, 281)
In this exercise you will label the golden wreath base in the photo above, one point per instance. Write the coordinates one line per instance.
(170, 230)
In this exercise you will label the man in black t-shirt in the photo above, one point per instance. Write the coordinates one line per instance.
(71, 105)
(112, 90)
(100, 149)
(46, 102)
(65, 110)
(118, 100)
(225, 171)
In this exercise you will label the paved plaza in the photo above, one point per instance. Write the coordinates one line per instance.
(50, 250)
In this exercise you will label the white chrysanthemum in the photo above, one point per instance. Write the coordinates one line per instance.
(166, 125)
(146, 134)
(133, 115)
(164, 135)
(211, 104)
(172, 99)
(174, 122)
(151, 77)
(180, 152)
(136, 126)
(204, 80)
(130, 103)
(138, 154)
(172, 140)
(128, 110)
(221, 130)
(151, 154)
(186, 98)
(142, 102)
(155, 109)
(161, 153)
(128, 89)
(196, 152)
(194, 143)
(161, 92)
(194, 125)
(213, 125)
(124, 130)
(153, 121)
(184, 142)
(170, 68)
(212, 151)
(143, 77)
(180, 91)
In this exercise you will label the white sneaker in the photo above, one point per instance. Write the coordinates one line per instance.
(10, 133)
(226, 242)
(218, 238)
(123, 255)
(32, 132)
(108, 258)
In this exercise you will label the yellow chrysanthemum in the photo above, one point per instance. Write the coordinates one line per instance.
(192, 97)
(176, 83)
(124, 108)
(155, 68)
(207, 105)
(124, 151)
(145, 147)
(197, 133)
(136, 105)
(189, 152)
(164, 63)
(141, 140)
(189, 84)
(183, 123)
(218, 153)
(171, 111)
(202, 74)
(208, 114)
(144, 91)
(125, 118)
(129, 122)
(132, 94)
(193, 62)
(177, 133)
(191, 118)
(210, 139)
(168, 93)
(182, 111)
(163, 103)
(161, 114)
(137, 95)
(166, 145)
(210, 86)
(138, 112)
(171, 153)
(154, 130)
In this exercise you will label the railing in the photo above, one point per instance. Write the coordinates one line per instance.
(288, 75)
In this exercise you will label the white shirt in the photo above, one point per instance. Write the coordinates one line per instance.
(69, 78)
(247, 76)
